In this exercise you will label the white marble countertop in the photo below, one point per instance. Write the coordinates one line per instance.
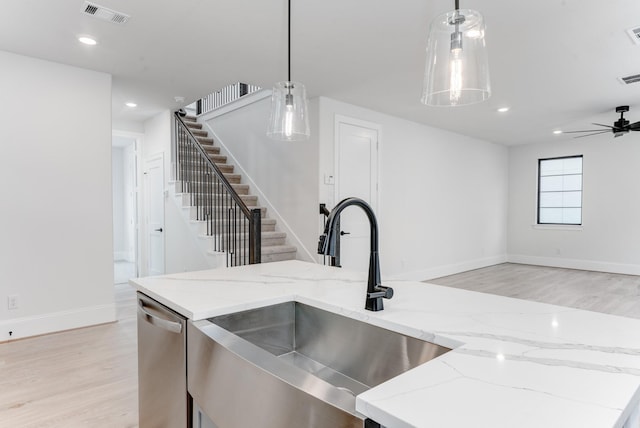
(514, 363)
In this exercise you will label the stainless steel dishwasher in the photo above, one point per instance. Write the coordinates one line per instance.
(162, 367)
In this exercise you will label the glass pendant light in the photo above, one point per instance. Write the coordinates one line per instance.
(457, 70)
(289, 119)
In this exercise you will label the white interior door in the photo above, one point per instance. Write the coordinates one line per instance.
(356, 175)
(154, 190)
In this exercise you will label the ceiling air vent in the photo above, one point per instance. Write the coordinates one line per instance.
(630, 79)
(104, 13)
(634, 33)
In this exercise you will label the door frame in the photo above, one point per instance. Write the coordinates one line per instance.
(375, 164)
(145, 232)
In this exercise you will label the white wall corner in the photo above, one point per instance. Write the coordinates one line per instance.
(18, 328)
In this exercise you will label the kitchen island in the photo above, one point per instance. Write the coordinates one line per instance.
(513, 363)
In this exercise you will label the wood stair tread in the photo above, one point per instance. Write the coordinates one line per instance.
(276, 249)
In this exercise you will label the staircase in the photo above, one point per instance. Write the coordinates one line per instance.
(273, 243)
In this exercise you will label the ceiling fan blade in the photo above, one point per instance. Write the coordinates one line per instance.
(635, 126)
(599, 124)
(595, 133)
(589, 130)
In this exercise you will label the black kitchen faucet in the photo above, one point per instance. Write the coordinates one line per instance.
(327, 246)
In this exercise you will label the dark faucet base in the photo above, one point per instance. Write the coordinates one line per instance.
(374, 304)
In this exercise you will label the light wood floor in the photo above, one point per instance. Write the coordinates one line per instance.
(594, 291)
(87, 378)
(79, 378)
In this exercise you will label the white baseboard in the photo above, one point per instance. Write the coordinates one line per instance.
(439, 271)
(18, 328)
(592, 265)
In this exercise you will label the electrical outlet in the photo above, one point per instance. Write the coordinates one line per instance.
(12, 301)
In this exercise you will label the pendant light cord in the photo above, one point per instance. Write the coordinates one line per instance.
(289, 42)
(457, 4)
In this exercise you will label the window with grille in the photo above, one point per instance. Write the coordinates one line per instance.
(560, 190)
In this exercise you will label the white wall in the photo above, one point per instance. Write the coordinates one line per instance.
(442, 196)
(282, 174)
(128, 126)
(610, 235)
(182, 252)
(56, 251)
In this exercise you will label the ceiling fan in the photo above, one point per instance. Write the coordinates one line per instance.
(619, 128)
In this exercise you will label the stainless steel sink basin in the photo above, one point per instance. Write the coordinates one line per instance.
(293, 365)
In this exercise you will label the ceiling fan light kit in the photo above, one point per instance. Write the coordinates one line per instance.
(289, 118)
(457, 68)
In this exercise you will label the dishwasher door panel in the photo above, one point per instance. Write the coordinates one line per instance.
(162, 387)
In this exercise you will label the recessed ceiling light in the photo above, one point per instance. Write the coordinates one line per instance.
(87, 40)
(557, 131)
(132, 105)
(503, 109)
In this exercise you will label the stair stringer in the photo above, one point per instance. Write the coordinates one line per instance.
(214, 259)
(281, 223)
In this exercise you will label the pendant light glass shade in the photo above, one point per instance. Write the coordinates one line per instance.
(289, 119)
(457, 70)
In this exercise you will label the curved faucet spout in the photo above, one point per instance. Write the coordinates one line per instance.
(327, 246)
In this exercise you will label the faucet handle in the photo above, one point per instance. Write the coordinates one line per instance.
(388, 291)
(381, 291)
(321, 243)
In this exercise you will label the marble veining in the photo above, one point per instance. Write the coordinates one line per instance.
(521, 388)
(545, 345)
(550, 361)
(514, 363)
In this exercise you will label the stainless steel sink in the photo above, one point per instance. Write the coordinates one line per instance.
(293, 365)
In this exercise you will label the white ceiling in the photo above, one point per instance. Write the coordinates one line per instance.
(554, 62)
